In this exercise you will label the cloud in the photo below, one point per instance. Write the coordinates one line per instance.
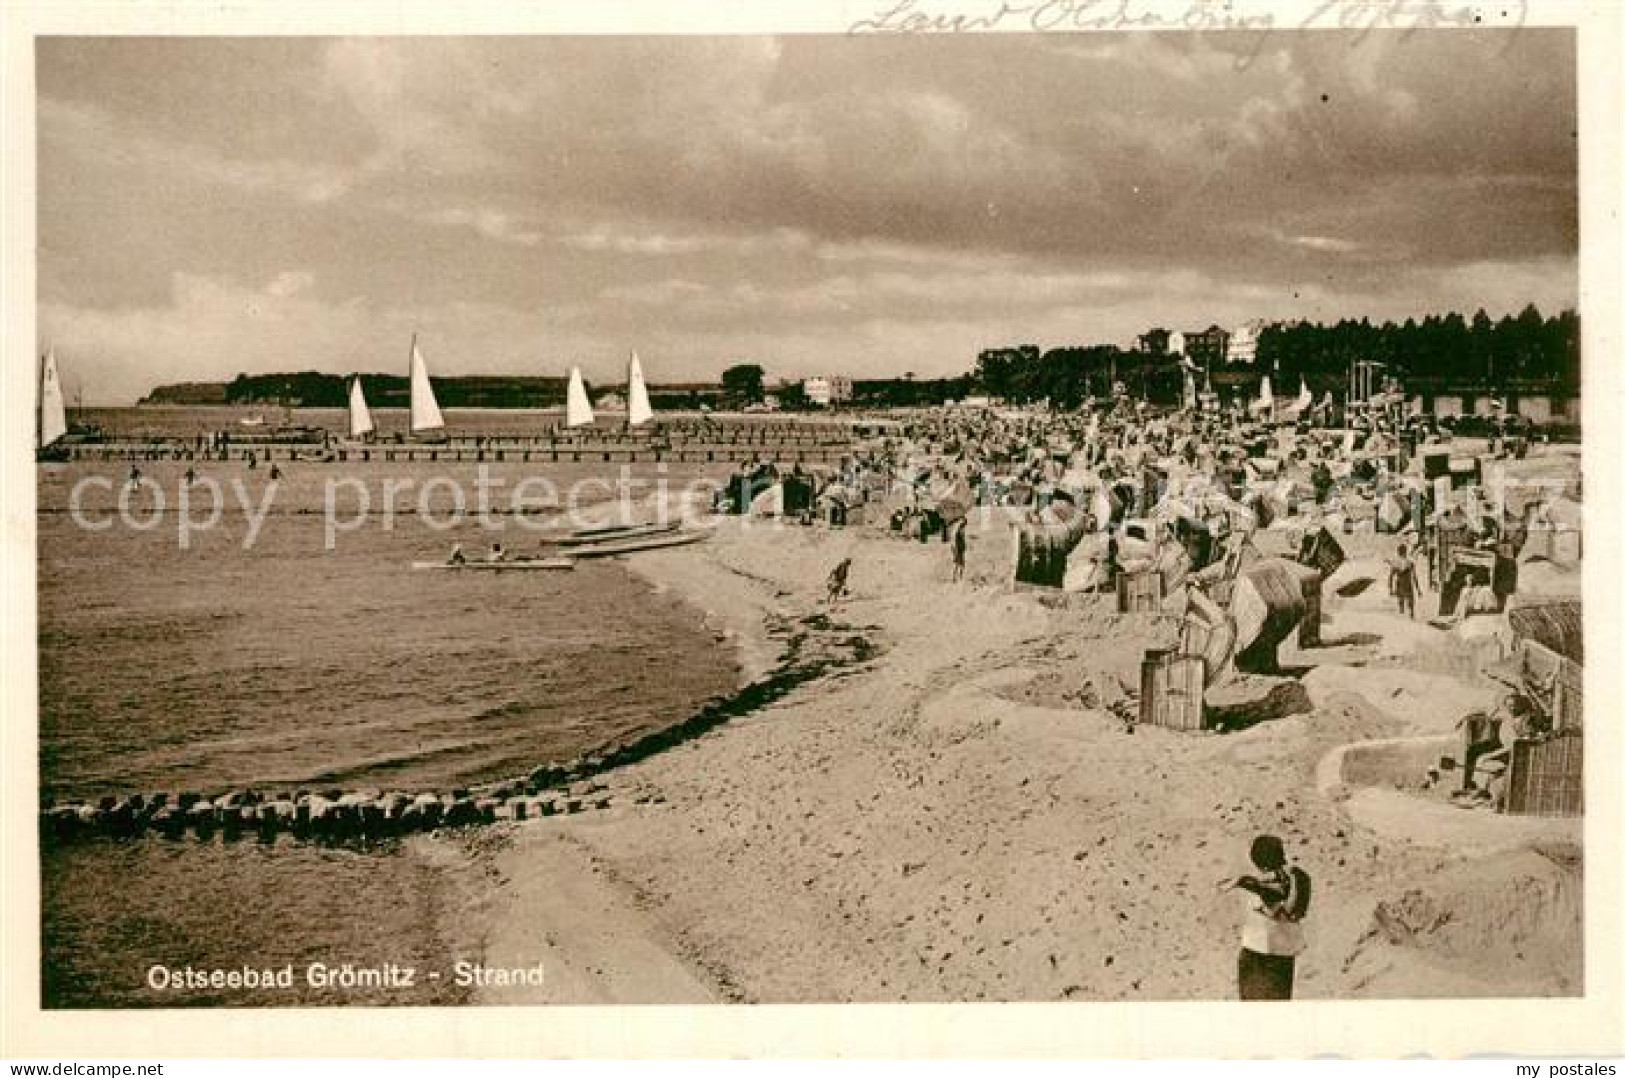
(867, 201)
(95, 137)
(492, 224)
(290, 283)
(646, 241)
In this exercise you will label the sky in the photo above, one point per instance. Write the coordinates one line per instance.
(816, 204)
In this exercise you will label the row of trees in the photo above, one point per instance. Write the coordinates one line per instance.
(1526, 349)
(1065, 376)
(313, 389)
(1525, 352)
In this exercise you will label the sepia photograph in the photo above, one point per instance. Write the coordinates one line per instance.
(1089, 511)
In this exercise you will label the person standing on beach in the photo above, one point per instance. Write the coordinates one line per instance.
(1272, 936)
(1402, 581)
(837, 580)
(959, 544)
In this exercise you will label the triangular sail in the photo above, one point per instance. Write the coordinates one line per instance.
(1266, 399)
(1300, 404)
(53, 412)
(360, 415)
(577, 408)
(638, 411)
(425, 410)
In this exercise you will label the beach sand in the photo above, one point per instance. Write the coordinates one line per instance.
(959, 817)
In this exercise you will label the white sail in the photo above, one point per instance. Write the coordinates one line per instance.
(53, 413)
(638, 411)
(1300, 404)
(360, 415)
(425, 410)
(577, 408)
(1266, 399)
(1189, 401)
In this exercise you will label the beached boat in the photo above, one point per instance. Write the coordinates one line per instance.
(605, 533)
(515, 564)
(613, 547)
(53, 411)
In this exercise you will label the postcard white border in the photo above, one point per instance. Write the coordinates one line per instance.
(1589, 1025)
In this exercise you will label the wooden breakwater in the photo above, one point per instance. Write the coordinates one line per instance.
(553, 789)
(696, 442)
(412, 453)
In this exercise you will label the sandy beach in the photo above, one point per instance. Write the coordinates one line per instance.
(960, 818)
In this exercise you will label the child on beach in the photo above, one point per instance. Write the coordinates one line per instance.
(1272, 936)
(959, 543)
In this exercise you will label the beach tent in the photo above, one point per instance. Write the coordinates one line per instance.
(769, 503)
(1393, 515)
(1555, 624)
(951, 498)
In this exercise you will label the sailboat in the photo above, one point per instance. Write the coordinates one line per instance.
(360, 415)
(1300, 404)
(425, 410)
(1265, 403)
(577, 408)
(53, 411)
(638, 411)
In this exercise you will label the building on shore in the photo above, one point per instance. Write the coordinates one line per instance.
(1202, 346)
(1242, 345)
(826, 390)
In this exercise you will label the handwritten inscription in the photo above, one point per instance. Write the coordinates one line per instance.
(1045, 16)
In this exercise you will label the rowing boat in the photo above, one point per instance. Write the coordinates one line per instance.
(611, 548)
(616, 533)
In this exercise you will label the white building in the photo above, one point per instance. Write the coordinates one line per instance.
(1176, 343)
(825, 390)
(1243, 346)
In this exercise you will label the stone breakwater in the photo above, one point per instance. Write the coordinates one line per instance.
(814, 645)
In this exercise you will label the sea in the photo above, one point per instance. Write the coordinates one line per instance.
(267, 648)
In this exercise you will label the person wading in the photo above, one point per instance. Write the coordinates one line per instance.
(1272, 936)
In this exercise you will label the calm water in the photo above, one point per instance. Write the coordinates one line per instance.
(287, 665)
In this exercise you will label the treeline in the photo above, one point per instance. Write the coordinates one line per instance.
(1065, 376)
(1527, 352)
(910, 392)
(313, 389)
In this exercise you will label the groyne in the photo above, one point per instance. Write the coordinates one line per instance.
(813, 646)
